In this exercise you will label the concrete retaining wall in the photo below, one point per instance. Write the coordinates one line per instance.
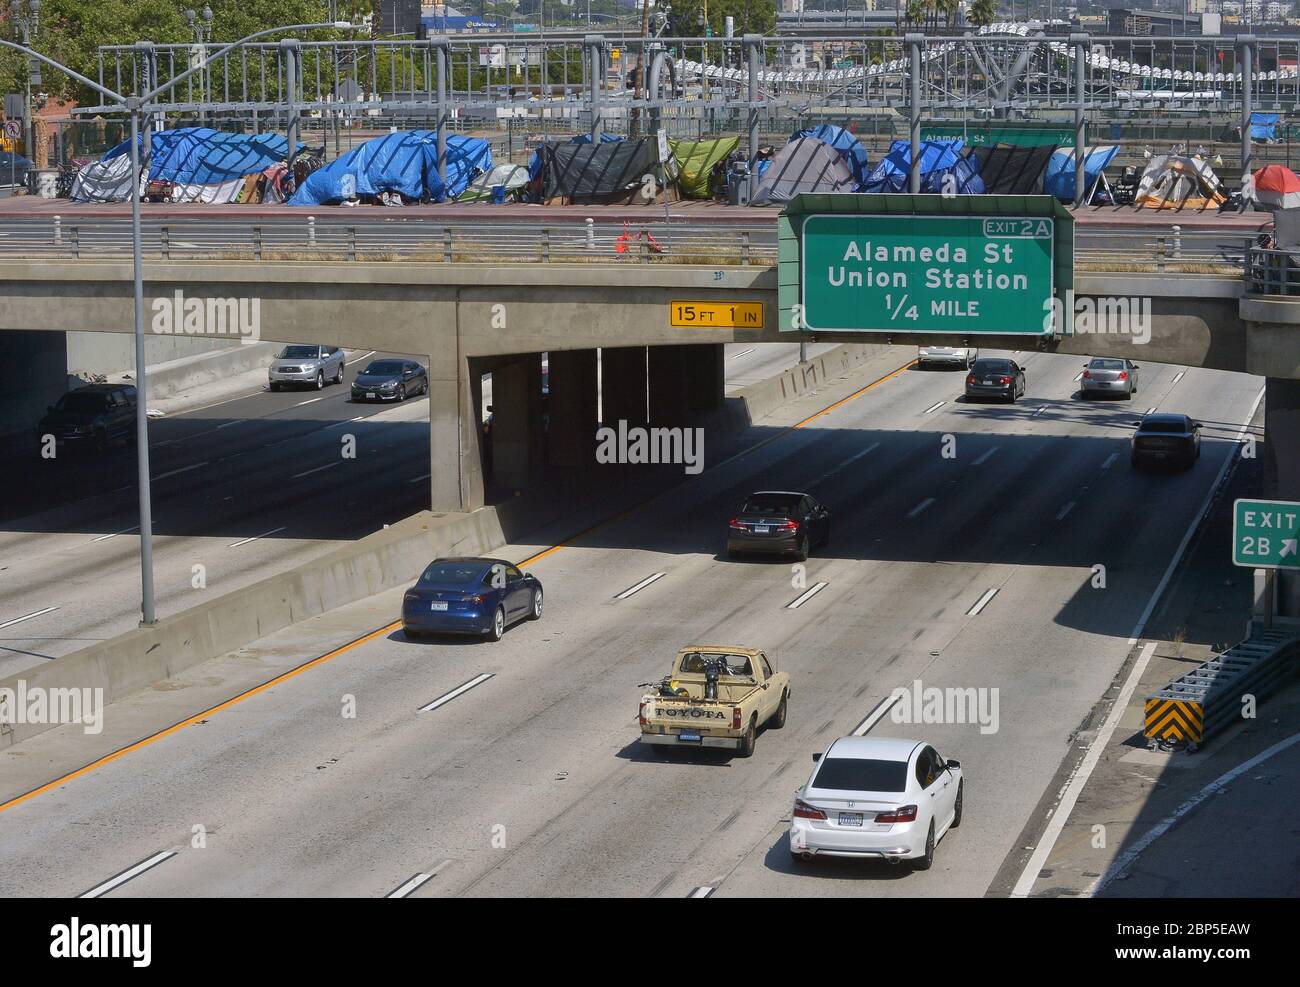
(109, 353)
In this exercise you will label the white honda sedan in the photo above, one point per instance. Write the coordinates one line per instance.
(876, 797)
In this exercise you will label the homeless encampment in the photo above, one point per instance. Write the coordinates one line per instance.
(402, 164)
(702, 165)
(105, 181)
(1174, 181)
(804, 165)
(1059, 180)
(943, 169)
(606, 173)
(1008, 169)
(1263, 127)
(845, 145)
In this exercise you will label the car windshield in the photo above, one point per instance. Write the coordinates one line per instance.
(992, 366)
(771, 504)
(298, 353)
(860, 774)
(452, 572)
(1163, 426)
(384, 368)
(81, 403)
(1100, 364)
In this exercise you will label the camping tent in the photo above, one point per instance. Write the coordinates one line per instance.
(1008, 169)
(1175, 182)
(943, 169)
(1059, 180)
(845, 145)
(405, 162)
(597, 173)
(1263, 127)
(696, 161)
(1277, 187)
(804, 165)
(511, 177)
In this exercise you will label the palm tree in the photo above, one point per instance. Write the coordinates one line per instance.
(982, 12)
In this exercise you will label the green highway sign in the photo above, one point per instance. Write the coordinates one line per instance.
(1266, 534)
(952, 273)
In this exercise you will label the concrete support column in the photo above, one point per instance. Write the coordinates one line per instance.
(455, 462)
(623, 384)
(572, 429)
(1281, 451)
(517, 435)
(670, 380)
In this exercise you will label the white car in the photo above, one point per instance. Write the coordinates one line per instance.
(876, 797)
(949, 356)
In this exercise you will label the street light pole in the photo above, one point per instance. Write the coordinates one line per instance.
(26, 22)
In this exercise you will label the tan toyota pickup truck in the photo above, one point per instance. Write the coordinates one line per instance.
(716, 696)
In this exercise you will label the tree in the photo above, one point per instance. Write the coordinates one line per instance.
(750, 17)
(982, 12)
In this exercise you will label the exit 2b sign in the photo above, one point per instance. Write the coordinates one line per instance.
(1266, 534)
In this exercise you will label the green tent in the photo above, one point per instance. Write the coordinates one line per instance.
(695, 162)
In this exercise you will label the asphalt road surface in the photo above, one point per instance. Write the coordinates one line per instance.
(532, 782)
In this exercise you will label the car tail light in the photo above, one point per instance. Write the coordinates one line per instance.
(970, 378)
(802, 810)
(641, 714)
(788, 526)
(472, 599)
(735, 717)
(1006, 380)
(1123, 375)
(904, 813)
(737, 525)
(1087, 375)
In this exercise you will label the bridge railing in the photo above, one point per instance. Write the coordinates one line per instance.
(745, 240)
(1272, 272)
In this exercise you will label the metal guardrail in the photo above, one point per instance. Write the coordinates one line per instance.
(1272, 272)
(749, 240)
(1200, 702)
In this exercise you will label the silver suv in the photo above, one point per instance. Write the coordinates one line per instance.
(312, 366)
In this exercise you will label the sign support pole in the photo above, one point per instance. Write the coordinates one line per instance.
(914, 42)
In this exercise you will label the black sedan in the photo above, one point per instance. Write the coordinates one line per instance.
(995, 378)
(779, 522)
(1166, 439)
(470, 596)
(390, 380)
(91, 417)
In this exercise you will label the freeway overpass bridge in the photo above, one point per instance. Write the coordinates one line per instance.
(479, 292)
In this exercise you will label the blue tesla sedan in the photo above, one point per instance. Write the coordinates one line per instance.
(470, 596)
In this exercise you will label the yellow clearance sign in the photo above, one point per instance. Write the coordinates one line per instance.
(716, 315)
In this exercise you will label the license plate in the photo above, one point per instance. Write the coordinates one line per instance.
(761, 529)
(689, 736)
(850, 818)
(1102, 383)
(437, 606)
(988, 382)
(371, 396)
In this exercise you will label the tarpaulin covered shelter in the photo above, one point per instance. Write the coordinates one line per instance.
(1008, 169)
(405, 163)
(610, 172)
(1176, 182)
(203, 156)
(845, 145)
(510, 177)
(1059, 180)
(943, 168)
(1277, 187)
(804, 165)
(697, 161)
(105, 181)
(1263, 126)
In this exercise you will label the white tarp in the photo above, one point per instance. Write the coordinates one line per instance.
(224, 192)
(105, 181)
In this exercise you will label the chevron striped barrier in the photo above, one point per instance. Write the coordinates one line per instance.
(1209, 697)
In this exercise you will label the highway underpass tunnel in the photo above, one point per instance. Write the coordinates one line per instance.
(544, 421)
(1281, 452)
(33, 375)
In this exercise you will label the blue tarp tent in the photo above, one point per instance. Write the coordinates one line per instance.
(1262, 126)
(203, 156)
(846, 145)
(405, 162)
(1058, 179)
(939, 159)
